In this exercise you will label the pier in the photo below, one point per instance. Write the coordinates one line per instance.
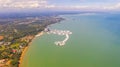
(65, 33)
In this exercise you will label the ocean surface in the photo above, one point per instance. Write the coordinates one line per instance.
(95, 42)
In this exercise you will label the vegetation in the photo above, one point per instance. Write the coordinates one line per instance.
(17, 33)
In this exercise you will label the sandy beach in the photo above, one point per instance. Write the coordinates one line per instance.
(26, 48)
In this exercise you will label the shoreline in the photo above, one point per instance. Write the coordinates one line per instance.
(27, 47)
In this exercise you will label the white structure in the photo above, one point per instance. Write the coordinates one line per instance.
(62, 33)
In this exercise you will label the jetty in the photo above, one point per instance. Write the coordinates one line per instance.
(65, 33)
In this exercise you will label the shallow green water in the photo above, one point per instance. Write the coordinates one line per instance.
(95, 42)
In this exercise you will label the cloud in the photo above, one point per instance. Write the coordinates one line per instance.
(4, 1)
(43, 4)
(112, 7)
(25, 4)
(93, 7)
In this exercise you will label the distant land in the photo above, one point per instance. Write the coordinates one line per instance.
(42, 13)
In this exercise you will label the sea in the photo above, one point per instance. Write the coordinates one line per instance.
(94, 42)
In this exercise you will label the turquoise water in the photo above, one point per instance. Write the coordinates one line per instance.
(95, 42)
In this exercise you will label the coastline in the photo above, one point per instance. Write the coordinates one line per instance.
(26, 48)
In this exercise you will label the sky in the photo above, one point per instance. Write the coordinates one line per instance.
(76, 5)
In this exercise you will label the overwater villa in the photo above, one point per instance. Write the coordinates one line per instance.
(59, 32)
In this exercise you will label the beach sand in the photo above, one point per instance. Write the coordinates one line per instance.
(26, 48)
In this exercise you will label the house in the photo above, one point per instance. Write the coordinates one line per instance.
(7, 43)
(1, 37)
(2, 61)
(1, 43)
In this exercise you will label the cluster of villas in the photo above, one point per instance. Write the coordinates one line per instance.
(65, 33)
